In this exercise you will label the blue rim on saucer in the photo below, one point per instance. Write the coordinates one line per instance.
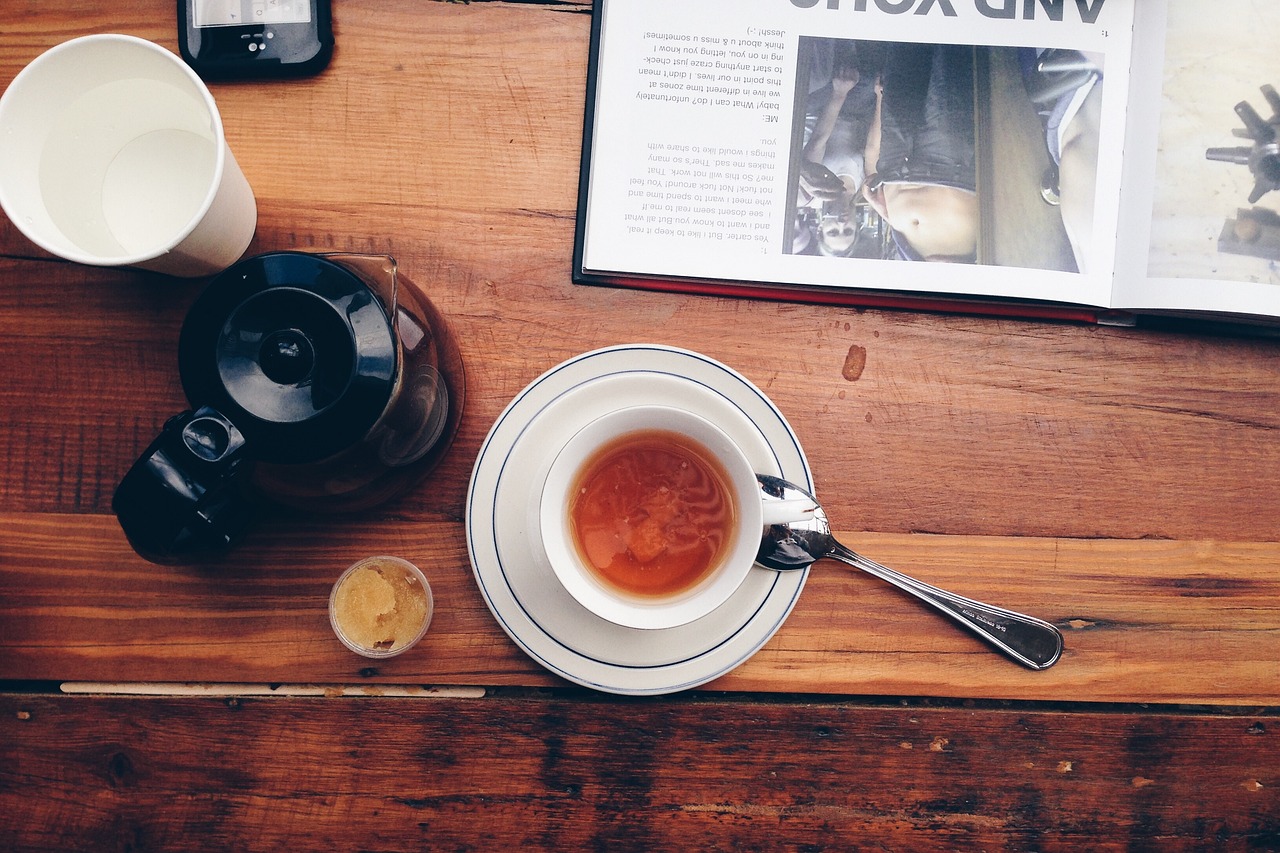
(504, 541)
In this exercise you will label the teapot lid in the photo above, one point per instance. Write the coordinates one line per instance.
(295, 350)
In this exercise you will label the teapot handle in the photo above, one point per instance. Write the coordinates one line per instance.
(187, 495)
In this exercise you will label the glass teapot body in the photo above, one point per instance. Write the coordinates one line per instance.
(327, 383)
(417, 424)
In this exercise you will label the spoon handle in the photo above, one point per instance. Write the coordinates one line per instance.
(1030, 641)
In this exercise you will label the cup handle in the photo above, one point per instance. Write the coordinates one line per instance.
(789, 511)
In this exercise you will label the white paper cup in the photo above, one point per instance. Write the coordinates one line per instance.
(112, 154)
(737, 556)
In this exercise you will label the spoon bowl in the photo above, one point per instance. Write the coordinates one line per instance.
(797, 545)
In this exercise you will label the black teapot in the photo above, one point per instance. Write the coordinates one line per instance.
(327, 383)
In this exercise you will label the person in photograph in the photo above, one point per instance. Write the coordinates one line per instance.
(1066, 88)
(924, 184)
(841, 116)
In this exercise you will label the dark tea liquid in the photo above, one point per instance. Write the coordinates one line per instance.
(652, 513)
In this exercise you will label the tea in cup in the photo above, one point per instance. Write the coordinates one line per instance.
(651, 516)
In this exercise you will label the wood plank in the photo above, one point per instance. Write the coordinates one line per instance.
(575, 773)
(454, 146)
(1145, 620)
(952, 425)
(436, 104)
(1118, 481)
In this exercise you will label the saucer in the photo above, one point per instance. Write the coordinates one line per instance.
(504, 541)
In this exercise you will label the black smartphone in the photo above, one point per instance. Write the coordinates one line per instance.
(230, 39)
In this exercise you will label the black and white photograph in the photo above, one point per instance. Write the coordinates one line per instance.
(946, 152)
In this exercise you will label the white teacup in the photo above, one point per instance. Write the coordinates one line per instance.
(660, 426)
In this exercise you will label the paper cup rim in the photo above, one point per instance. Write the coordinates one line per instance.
(69, 250)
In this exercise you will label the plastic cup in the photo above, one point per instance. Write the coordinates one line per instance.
(381, 606)
(112, 153)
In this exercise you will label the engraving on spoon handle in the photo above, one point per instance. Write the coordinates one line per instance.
(1030, 641)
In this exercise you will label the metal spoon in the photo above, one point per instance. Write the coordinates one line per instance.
(797, 545)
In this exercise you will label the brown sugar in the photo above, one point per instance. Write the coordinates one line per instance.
(381, 606)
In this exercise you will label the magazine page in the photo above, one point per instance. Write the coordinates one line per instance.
(962, 147)
(1201, 230)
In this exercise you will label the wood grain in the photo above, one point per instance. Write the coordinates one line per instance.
(953, 425)
(577, 773)
(1118, 482)
(455, 146)
(1145, 621)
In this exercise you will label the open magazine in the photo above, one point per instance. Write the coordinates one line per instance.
(1090, 159)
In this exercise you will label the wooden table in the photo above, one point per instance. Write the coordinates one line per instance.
(1121, 483)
